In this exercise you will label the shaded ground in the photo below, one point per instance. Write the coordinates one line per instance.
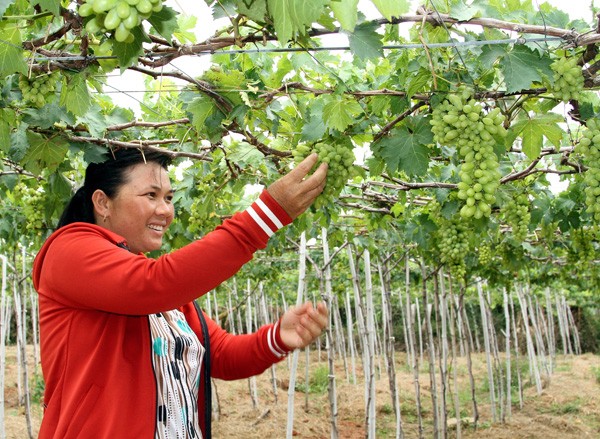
(568, 407)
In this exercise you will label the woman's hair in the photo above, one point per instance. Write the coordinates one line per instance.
(107, 176)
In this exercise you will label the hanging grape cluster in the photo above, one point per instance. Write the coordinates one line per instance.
(485, 254)
(517, 216)
(340, 159)
(32, 201)
(38, 90)
(568, 79)
(589, 147)
(462, 122)
(117, 16)
(453, 245)
(582, 248)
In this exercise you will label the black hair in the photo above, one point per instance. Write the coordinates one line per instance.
(107, 176)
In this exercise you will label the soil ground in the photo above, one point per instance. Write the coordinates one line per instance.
(568, 406)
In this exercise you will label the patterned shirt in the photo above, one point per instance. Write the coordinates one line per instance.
(176, 358)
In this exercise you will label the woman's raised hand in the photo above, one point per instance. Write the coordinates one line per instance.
(296, 191)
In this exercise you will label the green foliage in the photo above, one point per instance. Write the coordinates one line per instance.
(419, 159)
(317, 383)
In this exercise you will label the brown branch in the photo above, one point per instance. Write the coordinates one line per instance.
(146, 145)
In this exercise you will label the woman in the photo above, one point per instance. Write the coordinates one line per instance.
(125, 351)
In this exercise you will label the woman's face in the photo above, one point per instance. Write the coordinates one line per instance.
(142, 209)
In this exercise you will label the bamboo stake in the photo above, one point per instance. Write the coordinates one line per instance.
(332, 392)
(370, 343)
(454, 319)
(441, 307)
(21, 315)
(294, 361)
(3, 313)
(486, 342)
(461, 309)
(507, 353)
(550, 329)
(533, 365)
(431, 351)
(349, 328)
(412, 347)
(389, 347)
(517, 355)
(249, 329)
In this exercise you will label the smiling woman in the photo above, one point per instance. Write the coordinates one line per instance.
(125, 350)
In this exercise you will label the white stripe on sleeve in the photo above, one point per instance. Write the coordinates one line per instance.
(260, 222)
(269, 213)
(271, 340)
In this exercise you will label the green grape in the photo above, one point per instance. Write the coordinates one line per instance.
(568, 79)
(485, 253)
(453, 244)
(589, 148)
(32, 202)
(582, 249)
(117, 16)
(461, 121)
(340, 160)
(38, 90)
(517, 216)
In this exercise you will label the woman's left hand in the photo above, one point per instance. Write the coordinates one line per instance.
(301, 325)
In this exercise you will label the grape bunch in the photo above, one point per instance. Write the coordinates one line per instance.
(582, 245)
(568, 79)
(453, 245)
(462, 122)
(517, 216)
(38, 90)
(117, 16)
(340, 159)
(32, 201)
(485, 253)
(589, 147)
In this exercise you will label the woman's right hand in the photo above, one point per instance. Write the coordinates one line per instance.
(296, 191)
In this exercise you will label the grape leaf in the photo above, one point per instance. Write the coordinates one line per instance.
(44, 153)
(128, 53)
(165, 22)
(49, 5)
(75, 94)
(532, 131)
(521, 67)
(46, 116)
(339, 113)
(365, 42)
(4, 132)
(345, 13)
(291, 17)
(253, 9)
(200, 108)
(4, 4)
(391, 8)
(11, 53)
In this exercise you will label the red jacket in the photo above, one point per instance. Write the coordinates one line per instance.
(94, 298)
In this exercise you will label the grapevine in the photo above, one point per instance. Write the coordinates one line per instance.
(117, 16)
(38, 90)
(517, 216)
(589, 147)
(568, 79)
(340, 159)
(461, 122)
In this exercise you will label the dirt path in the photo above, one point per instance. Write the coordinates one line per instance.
(569, 406)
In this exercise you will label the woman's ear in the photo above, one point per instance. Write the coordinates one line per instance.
(101, 204)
